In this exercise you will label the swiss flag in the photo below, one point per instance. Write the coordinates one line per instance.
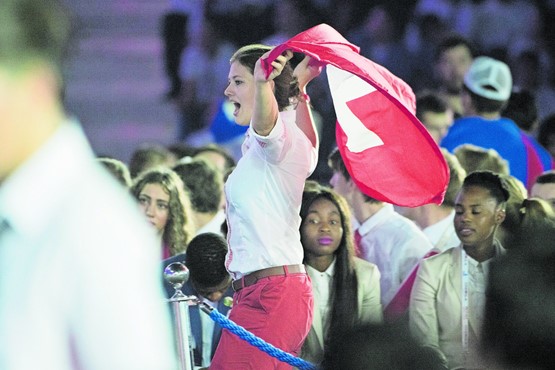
(386, 149)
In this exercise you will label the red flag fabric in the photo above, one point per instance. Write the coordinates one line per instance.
(388, 152)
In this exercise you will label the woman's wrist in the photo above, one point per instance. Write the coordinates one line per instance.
(303, 97)
(261, 82)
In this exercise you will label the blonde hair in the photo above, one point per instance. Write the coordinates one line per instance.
(517, 195)
(475, 158)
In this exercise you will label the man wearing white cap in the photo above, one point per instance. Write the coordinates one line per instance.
(487, 88)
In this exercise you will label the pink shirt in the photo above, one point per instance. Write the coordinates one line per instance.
(263, 196)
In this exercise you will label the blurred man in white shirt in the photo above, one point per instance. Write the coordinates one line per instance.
(73, 245)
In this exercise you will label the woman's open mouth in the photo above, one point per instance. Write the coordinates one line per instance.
(237, 107)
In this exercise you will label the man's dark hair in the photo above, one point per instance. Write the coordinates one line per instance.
(546, 130)
(453, 41)
(146, 156)
(547, 177)
(522, 109)
(181, 150)
(204, 184)
(205, 260)
(485, 105)
(336, 163)
(429, 101)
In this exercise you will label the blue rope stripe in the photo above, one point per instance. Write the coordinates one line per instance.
(247, 336)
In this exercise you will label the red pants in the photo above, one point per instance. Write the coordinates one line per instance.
(277, 309)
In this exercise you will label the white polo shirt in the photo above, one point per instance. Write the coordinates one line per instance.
(395, 244)
(263, 196)
(442, 234)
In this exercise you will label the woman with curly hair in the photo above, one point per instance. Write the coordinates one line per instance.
(162, 198)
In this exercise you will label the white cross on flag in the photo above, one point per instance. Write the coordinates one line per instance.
(388, 152)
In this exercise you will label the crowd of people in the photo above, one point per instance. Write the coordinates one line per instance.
(429, 44)
(277, 225)
(421, 272)
(483, 100)
(433, 262)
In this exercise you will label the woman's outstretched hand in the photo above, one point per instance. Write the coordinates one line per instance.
(306, 71)
(277, 66)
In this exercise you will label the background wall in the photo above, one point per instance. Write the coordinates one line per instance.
(115, 80)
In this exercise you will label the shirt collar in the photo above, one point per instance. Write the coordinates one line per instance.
(498, 251)
(377, 218)
(328, 272)
(436, 231)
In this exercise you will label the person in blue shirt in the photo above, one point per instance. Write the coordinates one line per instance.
(487, 89)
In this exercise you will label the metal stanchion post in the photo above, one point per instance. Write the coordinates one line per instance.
(177, 274)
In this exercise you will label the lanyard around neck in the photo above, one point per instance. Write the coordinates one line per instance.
(464, 302)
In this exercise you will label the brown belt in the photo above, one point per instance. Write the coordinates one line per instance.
(253, 277)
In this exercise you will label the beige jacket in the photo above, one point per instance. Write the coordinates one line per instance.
(369, 310)
(436, 304)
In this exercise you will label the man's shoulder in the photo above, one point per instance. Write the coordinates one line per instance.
(405, 228)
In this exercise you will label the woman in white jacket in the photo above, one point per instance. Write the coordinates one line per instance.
(346, 288)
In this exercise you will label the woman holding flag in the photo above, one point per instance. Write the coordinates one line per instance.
(273, 297)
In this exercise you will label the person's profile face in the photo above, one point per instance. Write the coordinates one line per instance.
(340, 184)
(155, 203)
(240, 92)
(545, 192)
(13, 126)
(477, 216)
(321, 230)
